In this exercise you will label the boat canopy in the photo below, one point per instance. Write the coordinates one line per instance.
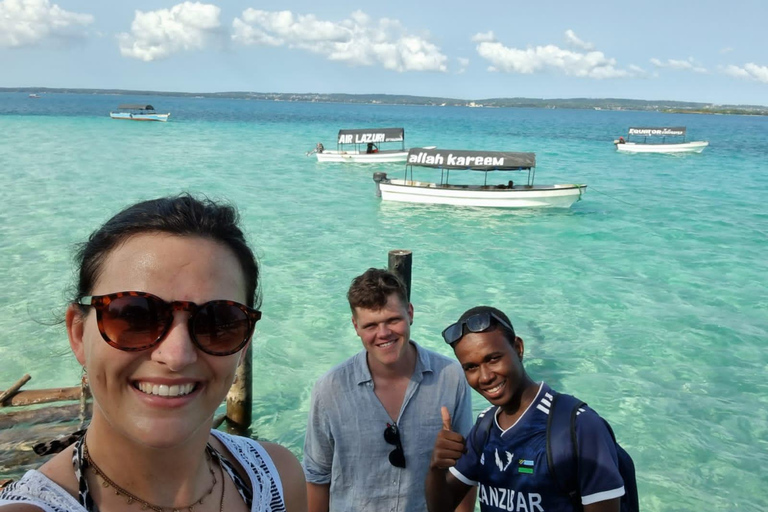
(677, 131)
(135, 106)
(474, 160)
(375, 135)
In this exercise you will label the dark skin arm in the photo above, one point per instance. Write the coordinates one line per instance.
(604, 506)
(444, 492)
(468, 503)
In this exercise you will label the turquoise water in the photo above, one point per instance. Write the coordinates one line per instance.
(648, 298)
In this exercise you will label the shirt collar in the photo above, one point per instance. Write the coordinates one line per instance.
(363, 374)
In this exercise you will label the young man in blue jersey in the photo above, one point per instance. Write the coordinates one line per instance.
(509, 463)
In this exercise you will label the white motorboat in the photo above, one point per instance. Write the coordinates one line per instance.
(138, 112)
(504, 195)
(373, 145)
(645, 145)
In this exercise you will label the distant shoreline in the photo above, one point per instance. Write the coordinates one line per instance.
(680, 107)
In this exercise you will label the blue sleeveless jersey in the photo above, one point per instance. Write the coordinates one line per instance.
(512, 473)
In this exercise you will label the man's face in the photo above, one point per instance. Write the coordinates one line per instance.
(385, 333)
(492, 365)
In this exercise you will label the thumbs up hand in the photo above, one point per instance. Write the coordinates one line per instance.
(446, 418)
(449, 445)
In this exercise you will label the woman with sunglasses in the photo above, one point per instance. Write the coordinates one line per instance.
(165, 307)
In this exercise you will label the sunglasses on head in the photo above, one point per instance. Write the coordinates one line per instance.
(134, 321)
(392, 436)
(479, 322)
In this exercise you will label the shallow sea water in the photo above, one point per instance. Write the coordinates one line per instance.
(647, 299)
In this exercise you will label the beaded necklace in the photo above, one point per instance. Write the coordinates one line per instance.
(131, 498)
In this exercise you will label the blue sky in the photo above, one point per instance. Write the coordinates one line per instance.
(704, 51)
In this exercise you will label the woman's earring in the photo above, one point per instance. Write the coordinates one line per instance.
(85, 394)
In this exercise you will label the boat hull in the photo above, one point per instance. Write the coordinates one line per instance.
(139, 117)
(683, 147)
(386, 156)
(519, 196)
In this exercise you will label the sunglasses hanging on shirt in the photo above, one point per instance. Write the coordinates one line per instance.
(392, 436)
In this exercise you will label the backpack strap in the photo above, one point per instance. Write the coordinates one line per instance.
(483, 429)
(562, 446)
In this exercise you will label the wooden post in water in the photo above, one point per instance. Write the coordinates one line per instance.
(240, 396)
(400, 262)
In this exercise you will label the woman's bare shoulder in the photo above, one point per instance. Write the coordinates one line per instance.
(291, 476)
(288, 468)
(54, 471)
(20, 507)
(59, 469)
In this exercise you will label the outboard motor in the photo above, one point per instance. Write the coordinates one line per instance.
(378, 177)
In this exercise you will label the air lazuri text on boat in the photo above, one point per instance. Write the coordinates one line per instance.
(365, 146)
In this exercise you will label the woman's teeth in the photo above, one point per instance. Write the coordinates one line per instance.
(164, 390)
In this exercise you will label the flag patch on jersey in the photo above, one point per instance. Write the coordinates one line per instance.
(525, 466)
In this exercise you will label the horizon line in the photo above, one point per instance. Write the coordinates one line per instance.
(338, 94)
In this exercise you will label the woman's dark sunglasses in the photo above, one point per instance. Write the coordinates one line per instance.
(479, 322)
(138, 321)
(392, 436)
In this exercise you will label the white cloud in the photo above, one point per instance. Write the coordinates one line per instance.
(28, 22)
(537, 59)
(573, 40)
(358, 40)
(483, 37)
(725, 50)
(749, 71)
(159, 34)
(736, 71)
(686, 65)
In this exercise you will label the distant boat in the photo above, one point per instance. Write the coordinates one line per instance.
(504, 195)
(138, 112)
(34, 95)
(658, 141)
